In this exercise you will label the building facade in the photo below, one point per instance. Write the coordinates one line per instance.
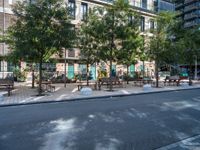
(189, 12)
(6, 16)
(79, 9)
(165, 5)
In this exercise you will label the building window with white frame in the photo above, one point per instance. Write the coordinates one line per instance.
(142, 24)
(84, 11)
(72, 8)
(151, 24)
(144, 4)
(10, 2)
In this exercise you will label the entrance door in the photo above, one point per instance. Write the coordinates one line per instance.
(113, 70)
(132, 70)
(70, 71)
(93, 72)
(83, 71)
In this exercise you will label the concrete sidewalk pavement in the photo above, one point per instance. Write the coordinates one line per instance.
(24, 94)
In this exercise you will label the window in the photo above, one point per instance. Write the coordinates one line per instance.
(130, 19)
(32, 1)
(144, 4)
(10, 2)
(10, 67)
(142, 25)
(72, 8)
(152, 26)
(155, 5)
(71, 53)
(84, 11)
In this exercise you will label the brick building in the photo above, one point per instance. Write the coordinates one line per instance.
(147, 8)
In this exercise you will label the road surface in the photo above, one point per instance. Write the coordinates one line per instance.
(169, 120)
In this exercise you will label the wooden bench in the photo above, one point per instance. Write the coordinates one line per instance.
(94, 85)
(47, 86)
(7, 84)
(172, 80)
(51, 88)
(107, 81)
(141, 82)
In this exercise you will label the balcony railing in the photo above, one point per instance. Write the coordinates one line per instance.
(179, 5)
(190, 24)
(191, 7)
(189, 1)
(190, 16)
(142, 5)
(135, 4)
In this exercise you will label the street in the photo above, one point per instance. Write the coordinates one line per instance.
(138, 122)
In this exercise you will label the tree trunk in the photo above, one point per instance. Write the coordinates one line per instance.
(190, 75)
(111, 49)
(156, 72)
(33, 76)
(40, 77)
(143, 69)
(87, 77)
(110, 87)
(127, 74)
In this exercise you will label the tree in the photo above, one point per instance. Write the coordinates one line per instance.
(183, 45)
(143, 52)
(159, 42)
(40, 30)
(131, 41)
(111, 31)
(88, 43)
(189, 48)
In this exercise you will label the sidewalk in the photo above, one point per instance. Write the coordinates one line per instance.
(24, 94)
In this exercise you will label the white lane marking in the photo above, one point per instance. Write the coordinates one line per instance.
(74, 90)
(187, 143)
(196, 99)
(58, 88)
(37, 98)
(125, 92)
(27, 100)
(61, 97)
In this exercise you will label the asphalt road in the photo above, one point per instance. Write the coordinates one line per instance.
(140, 122)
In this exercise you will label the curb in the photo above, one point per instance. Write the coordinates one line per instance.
(97, 97)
